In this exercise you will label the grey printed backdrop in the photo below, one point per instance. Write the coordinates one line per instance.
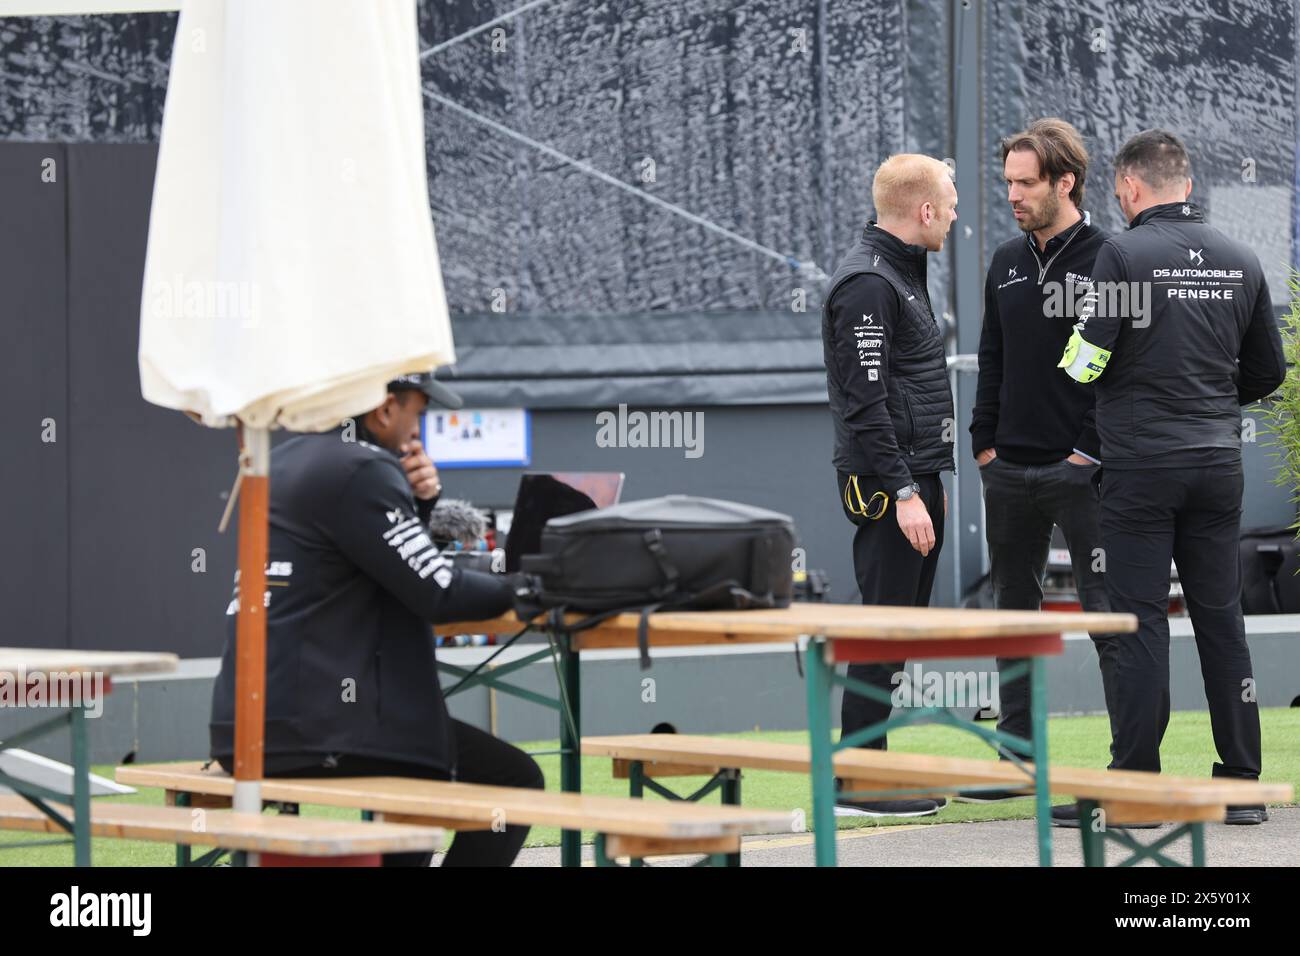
(1221, 73)
(761, 117)
(764, 117)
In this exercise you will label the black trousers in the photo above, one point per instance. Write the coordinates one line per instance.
(1192, 515)
(889, 571)
(480, 758)
(1022, 503)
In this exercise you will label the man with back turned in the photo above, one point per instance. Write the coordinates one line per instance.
(1178, 333)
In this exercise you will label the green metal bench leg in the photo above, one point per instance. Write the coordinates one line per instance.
(1198, 843)
(636, 780)
(731, 788)
(728, 780)
(571, 745)
(1093, 841)
(1149, 851)
(1038, 741)
(636, 789)
(817, 675)
(185, 854)
(210, 858)
(731, 798)
(80, 788)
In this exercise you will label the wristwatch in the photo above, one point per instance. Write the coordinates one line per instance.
(907, 491)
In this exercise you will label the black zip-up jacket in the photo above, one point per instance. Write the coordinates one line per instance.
(1024, 407)
(886, 371)
(353, 583)
(1177, 376)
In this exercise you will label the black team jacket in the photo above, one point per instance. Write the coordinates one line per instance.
(1025, 407)
(886, 370)
(353, 583)
(1172, 392)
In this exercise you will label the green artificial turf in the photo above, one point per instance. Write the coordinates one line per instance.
(1074, 741)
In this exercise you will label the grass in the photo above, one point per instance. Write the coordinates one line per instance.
(1074, 741)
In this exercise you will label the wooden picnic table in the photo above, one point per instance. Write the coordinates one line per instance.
(76, 680)
(835, 633)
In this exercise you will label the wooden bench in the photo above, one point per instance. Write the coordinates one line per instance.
(1123, 796)
(826, 635)
(624, 828)
(265, 840)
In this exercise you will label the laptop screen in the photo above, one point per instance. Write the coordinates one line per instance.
(543, 496)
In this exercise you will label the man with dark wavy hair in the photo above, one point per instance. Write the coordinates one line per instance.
(1033, 432)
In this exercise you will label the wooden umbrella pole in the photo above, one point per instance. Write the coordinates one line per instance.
(250, 659)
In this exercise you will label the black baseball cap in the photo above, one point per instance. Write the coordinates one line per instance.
(436, 392)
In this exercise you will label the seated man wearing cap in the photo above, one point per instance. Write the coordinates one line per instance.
(353, 583)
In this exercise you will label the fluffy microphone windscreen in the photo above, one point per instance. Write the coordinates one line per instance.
(454, 520)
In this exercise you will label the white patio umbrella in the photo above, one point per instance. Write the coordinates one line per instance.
(291, 268)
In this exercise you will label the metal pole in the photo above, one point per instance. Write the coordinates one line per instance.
(570, 744)
(80, 786)
(1198, 843)
(250, 631)
(731, 798)
(967, 290)
(1094, 841)
(1042, 793)
(635, 782)
(817, 673)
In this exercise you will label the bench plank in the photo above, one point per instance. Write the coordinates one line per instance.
(478, 804)
(830, 620)
(1120, 811)
(880, 766)
(638, 847)
(623, 769)
(428, 821)
(295, 836)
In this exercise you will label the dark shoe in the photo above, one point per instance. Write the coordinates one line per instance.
(1067, 815)
(991, 796)
(886, 808)
(1246, 816)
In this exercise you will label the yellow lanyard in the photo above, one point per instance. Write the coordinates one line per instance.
(873, 509)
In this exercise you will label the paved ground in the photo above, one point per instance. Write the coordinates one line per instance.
(998, 843)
